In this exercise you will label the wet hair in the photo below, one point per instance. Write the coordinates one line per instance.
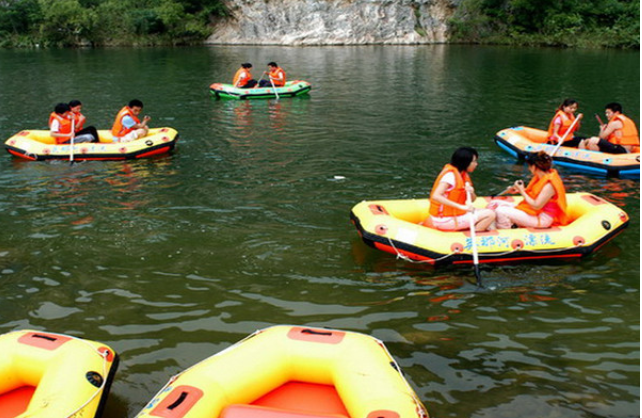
(462, 157)
(246, 65)
(74, 103)
(615, 107)
(272, 64)
(567, 102)
(61, 108)
(541, 160)
(135, 103)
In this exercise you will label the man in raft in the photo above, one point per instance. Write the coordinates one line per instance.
(618, 136)
(127, 126)
(276, 76)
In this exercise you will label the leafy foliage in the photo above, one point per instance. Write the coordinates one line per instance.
(106, 22)
(570, 23)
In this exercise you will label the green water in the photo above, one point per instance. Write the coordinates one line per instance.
(245, 226)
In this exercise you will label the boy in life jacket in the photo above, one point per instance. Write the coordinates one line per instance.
(276, 75)
(60, 126)
(449, 208)
(544, 201)
(618, 136)
(79, 122)
(243, 77)
(127, 126)
(559, 126)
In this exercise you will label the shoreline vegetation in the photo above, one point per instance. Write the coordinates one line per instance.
(137, 23)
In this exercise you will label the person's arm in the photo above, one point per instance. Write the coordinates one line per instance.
(557, 123)
(609, 128)
(81, 122)
(54, 131)
(541, 199)
(129, 122)
(439, 196)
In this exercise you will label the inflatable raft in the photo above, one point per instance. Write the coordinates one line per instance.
(291, 372)
(39, 145)
(291, 89)
(394, 226)
(45, 375)
(522, 141)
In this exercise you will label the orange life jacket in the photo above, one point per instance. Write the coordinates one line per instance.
(567, 121)
(241, 77)
(628, 135)
(557, 202)
(278, 77)
(119, 130)
(457, 194)
(65, 126)
(79, 119)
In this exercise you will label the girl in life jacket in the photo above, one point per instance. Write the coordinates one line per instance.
(79, 122)
(561, 123)
(544, 203)
(449, 207)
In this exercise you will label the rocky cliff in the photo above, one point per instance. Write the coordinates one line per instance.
(334, 22)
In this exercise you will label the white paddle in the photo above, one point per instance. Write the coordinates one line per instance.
(570, 129)
(274, 88)
(472, 237)
(73, 135)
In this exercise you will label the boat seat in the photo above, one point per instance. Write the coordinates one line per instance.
(254, 411)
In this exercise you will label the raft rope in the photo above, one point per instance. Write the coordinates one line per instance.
(434, 260)
(104, 356)
(176, 376)
(421, 410)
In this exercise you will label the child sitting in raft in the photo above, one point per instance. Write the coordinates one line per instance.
(544, 201)
(449, 208)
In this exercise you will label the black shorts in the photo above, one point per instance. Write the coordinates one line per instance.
(606, 146)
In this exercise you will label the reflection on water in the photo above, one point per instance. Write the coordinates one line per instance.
(246, 225)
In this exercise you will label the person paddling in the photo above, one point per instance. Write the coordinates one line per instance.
(562, 122)
(449, 203)
(243, 77)
(276, 76)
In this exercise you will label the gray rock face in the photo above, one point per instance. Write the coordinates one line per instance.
(334, 22)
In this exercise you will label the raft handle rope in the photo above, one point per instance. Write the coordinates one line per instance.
(176, 376)
(421, 411)
(104, 356)
(434, 260)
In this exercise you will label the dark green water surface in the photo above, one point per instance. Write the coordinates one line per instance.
(245, 226)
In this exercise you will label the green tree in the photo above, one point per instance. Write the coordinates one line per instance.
(65, 22)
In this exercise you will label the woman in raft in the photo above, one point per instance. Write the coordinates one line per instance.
(563, 121)
(449, 207)
(544, 201)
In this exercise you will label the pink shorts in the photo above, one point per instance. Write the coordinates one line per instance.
(452, 223)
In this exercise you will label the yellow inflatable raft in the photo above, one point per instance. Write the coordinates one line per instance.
(522, 141)
(45, 375)
(291, 372)
(394, 226)
(39, 145)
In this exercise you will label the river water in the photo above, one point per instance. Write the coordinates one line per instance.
(246, 225)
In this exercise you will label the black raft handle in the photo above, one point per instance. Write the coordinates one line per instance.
(313, 332)
(178, 401)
